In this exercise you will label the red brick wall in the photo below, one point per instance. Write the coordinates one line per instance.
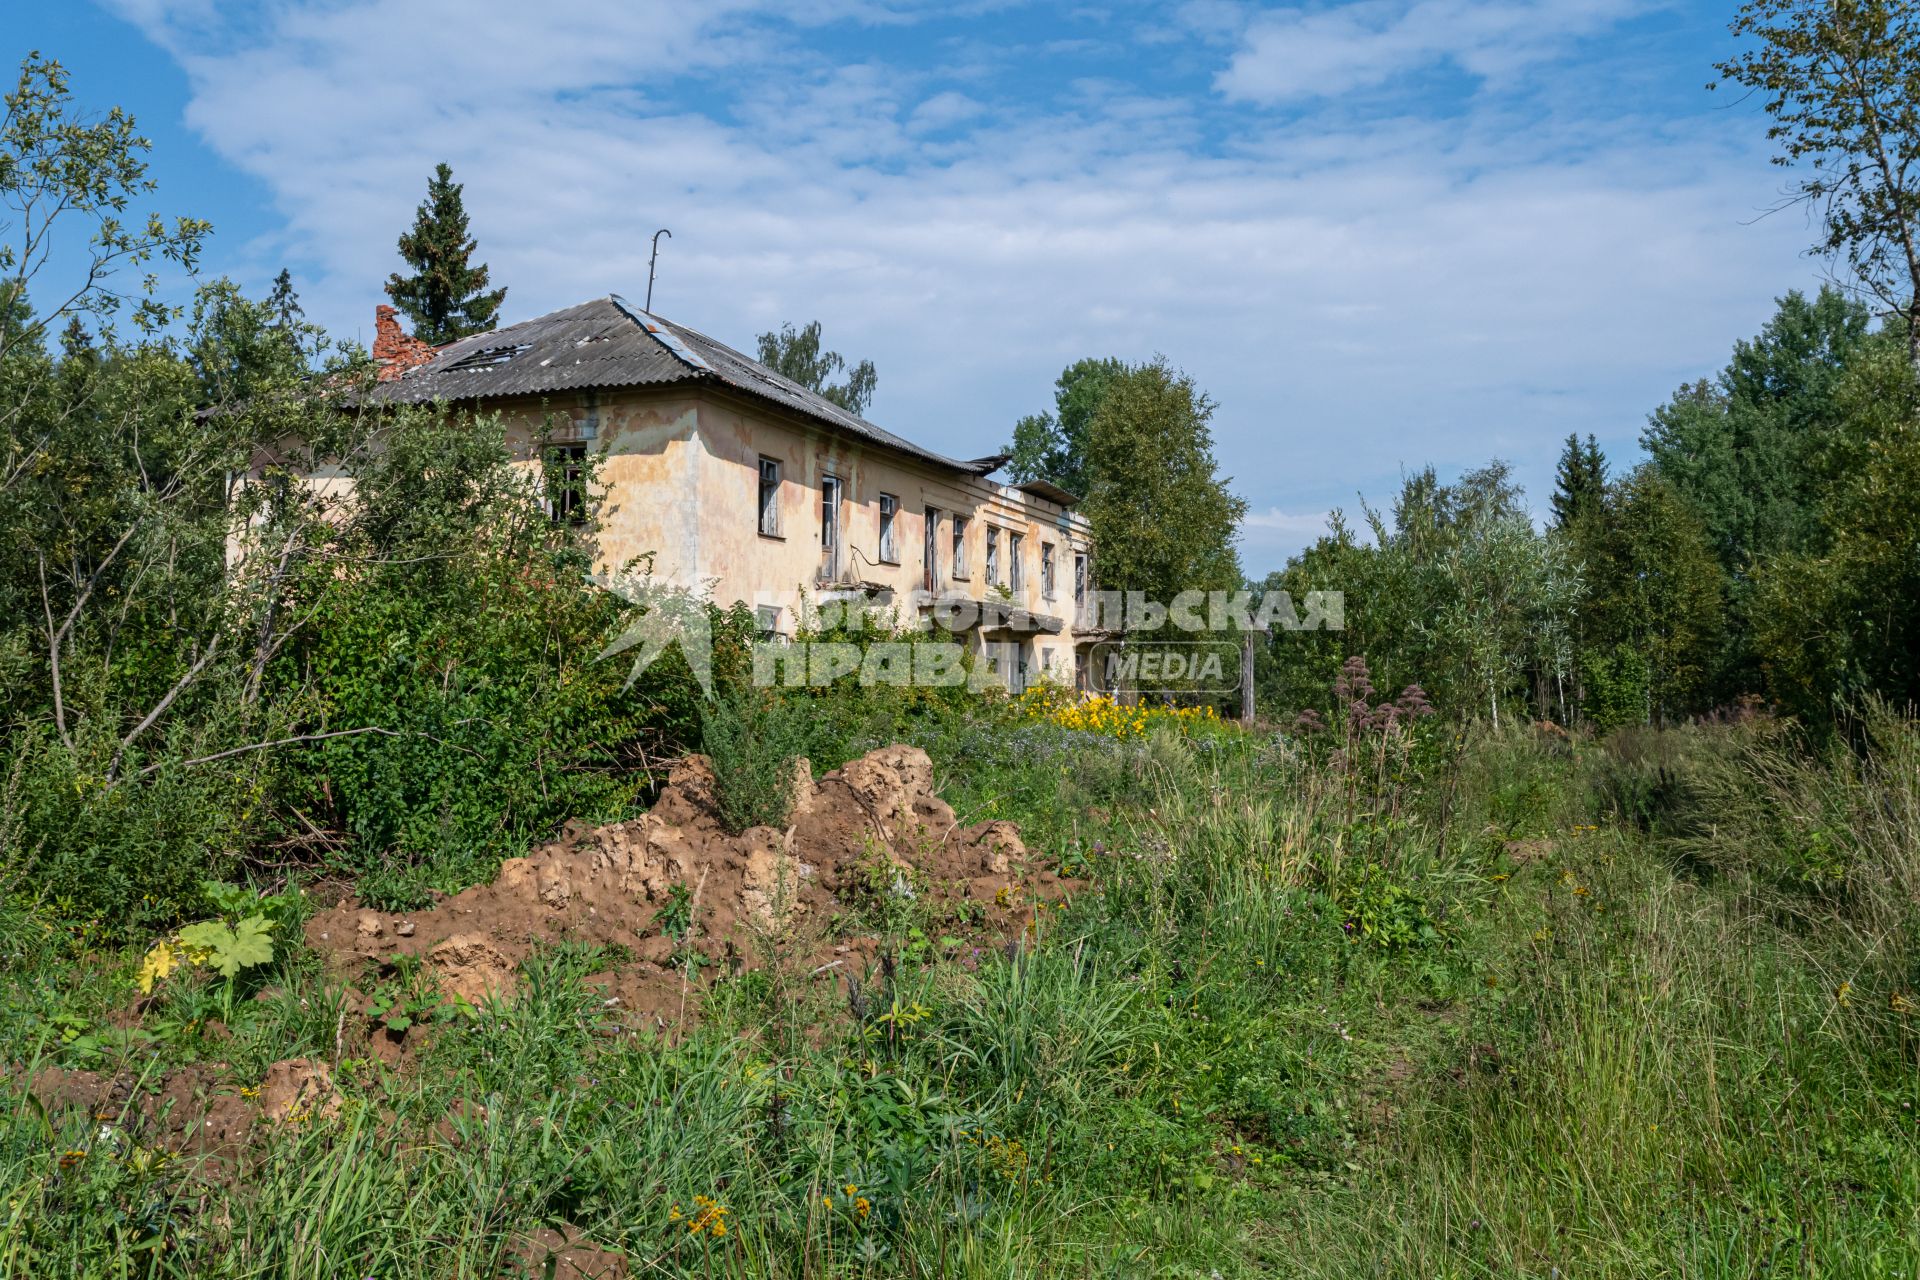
(394, 349)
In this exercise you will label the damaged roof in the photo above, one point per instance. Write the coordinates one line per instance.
(608, 344)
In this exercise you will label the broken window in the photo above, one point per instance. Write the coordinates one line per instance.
(1079, 580)
(770, 497)
(567, 483)
(889, 509)
(930, 552)
(1046, 570)
(993, 556)
(960, 546)
(830, 495)
(1014, 579)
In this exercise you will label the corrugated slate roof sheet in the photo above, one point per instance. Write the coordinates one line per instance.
(608, 344)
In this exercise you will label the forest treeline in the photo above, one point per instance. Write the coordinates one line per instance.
(1764, 550)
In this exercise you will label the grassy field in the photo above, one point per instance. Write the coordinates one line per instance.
(1399, 1002)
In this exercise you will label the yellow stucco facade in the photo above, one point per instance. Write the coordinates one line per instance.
(679, 476)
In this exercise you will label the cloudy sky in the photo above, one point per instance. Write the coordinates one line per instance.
(1381, 233)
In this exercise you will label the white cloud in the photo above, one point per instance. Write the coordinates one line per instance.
(1268, 537)
(1358, 296)
(1306, 53)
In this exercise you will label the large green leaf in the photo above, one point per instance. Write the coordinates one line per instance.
(232, 949)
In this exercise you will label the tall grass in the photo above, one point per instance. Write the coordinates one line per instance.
(1544, 1008)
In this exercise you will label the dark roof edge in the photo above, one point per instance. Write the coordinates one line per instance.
(1050, 491)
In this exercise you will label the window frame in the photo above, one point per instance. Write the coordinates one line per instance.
(1049, 575)
(930, 550)
(769, 505)
(567, 502)
(833, 501)
(889, 508)
(962, 525)
(992, 567)
(1016, 577)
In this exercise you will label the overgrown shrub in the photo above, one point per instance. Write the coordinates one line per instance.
(754, 739)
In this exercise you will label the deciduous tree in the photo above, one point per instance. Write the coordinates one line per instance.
(1841, 79)
(797, 354)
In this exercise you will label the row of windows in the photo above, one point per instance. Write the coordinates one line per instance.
(832, 497)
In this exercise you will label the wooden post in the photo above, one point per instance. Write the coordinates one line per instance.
(1246, 678)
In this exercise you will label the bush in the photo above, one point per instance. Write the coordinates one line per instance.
(128, 857)
(754, 740)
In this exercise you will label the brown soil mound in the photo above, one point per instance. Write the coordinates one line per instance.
(190, 1110)
(871, 829)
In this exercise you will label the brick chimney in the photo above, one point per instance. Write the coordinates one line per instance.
(394, 349)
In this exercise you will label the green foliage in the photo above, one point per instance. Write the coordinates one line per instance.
(446, 297)
(231, 947)
(1614, 684)
(1164, 520)
(1655, 595)
(1741, 449)
(1053, 446)
(1840, 624)
(676, 913)
(754, 740)
(1237, 1029)
(1386, 914)
(60, 164)
(1841, 82)
(1580, 481)
(796, 354)
(1458, 594)
(460, 636)
(405, 1001)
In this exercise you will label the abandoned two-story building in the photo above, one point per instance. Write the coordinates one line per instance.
(742, 483)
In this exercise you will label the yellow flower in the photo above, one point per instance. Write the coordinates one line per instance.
(159, 962)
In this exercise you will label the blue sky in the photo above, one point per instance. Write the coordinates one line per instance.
(1380, 234)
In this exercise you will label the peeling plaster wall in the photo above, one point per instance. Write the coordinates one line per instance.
(680, 476)
(748, 565)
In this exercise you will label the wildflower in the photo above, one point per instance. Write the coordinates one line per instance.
(159, 962)
(862, 1207)
(1843, 993)
(709, 1218)
(1901, 1003)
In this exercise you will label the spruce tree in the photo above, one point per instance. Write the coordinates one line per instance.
(1580, 481)
(447, 298)
(283, 304)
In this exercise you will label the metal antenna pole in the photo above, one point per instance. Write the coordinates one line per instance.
(650, 261)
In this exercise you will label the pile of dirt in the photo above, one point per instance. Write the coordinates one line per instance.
(190, 1111)
(674, 882)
